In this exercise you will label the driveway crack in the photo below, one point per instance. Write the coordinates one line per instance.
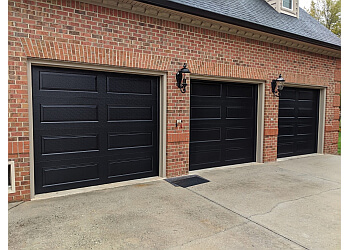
(248, 218)
(282, 202)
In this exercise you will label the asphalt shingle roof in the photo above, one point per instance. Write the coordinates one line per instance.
(261, 13)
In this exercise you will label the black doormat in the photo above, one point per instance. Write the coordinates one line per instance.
(186, 181)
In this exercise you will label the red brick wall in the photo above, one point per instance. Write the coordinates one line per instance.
(85, 33)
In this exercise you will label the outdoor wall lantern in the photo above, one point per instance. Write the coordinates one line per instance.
(277, 85)
(181, 78)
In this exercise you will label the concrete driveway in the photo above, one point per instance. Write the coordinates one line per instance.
(292, 204)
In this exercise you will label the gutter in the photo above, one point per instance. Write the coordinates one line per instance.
(222, 18)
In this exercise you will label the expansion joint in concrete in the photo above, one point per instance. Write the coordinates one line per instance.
(16, 205)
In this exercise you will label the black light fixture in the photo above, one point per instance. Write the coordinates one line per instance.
(277, 85)
(181, 78)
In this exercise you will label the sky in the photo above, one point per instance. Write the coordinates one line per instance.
(304, 3)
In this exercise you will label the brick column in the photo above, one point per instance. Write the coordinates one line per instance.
(270, 123)
(332, 120)
(178, 137)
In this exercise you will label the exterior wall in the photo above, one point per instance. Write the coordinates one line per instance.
(85, 33)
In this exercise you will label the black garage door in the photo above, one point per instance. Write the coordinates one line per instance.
(223, 124)
(297, 122)
(93, 128)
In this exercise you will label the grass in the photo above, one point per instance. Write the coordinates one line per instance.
(339, 144)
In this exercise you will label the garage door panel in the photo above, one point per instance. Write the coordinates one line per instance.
(305, 147)
(203, 101)
(128, 114)
(69, 144)
(239, 143)
(205, 145)
(287, 120)
(287, 102)
(306, 112)
(67, 82)
(306, 95)
(205, 157)
(238, 122)
(67, 174)
(286, 112)
(124, 85)
(239, 112)
(288, 96)
(234, 133)
(305, 129)
(298, 122)
(79, 131)
(306, 104)
(238, 102)
(203, 113)
(68, 113)
(130, 140)
(304, 121)
(205, 134)
(286, 130)
(141, 163)
(245, 91)
(206, 90)
(244, 154)
(133, 165)
(285, 149)
(286, 138)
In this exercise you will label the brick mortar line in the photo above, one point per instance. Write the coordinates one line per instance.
(247, 218)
